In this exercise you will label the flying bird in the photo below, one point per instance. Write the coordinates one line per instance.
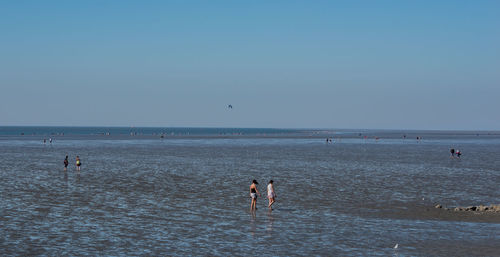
(230, 107)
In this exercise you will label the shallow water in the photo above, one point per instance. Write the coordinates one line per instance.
(181, 196)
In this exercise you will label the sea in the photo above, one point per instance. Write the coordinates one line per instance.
(185, 192)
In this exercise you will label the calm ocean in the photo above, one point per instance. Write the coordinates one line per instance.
(184, 191)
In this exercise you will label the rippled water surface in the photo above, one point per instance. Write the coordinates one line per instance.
(190, 196)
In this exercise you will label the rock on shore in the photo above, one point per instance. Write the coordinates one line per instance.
(479, 208)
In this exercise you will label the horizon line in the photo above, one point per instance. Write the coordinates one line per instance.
(277, 128)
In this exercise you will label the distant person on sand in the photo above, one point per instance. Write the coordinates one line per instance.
(66, 163)
(270, 194)
(458, 153)
(253, 195)
(78, 163)
(452, 151)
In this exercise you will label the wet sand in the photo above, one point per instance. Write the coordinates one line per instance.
(429, 212)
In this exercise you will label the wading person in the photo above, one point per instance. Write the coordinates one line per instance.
(66, 163)
(78, 163)
(270, 194)
(253, 194)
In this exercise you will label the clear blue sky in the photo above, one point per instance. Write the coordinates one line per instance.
(285, 64)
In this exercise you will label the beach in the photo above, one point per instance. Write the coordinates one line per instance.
(187, 193)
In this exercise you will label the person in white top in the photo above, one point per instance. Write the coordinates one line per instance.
(270, 194)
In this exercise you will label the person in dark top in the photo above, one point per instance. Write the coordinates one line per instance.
(66, 162)
(452, 151)
(458, 153)
(253, 194)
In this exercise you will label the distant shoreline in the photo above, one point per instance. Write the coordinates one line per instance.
(225, 132)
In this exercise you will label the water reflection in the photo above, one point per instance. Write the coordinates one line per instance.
(270, 221)
(253, 222)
